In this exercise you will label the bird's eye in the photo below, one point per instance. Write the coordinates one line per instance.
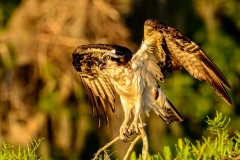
(108, 57)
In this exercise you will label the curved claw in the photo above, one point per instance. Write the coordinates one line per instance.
(134, 128)
(124, 134)
(125, 140)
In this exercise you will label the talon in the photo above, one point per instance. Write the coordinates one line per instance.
(130, 133)
(134, 128)
(124, 134)
(125, 140)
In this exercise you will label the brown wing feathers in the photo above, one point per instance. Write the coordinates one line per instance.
(97, 85)
(198, 67)
(189, 55)
(201, 56)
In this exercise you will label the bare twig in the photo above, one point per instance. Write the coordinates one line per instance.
(144, 149)
(131, 147)
(145, 143)
(105, 147)
(107, 156)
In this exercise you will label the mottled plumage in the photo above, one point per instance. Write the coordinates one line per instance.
(108, 69)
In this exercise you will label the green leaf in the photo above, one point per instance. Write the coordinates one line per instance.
(133, 156)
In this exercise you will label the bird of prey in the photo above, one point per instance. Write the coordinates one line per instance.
(108, 69)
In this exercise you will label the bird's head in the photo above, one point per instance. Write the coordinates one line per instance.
(111, 59)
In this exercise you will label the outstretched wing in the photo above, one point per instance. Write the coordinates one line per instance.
(96, 83)
(173, 50)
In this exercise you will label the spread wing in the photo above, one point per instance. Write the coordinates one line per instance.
(173, 50)
(96, 83)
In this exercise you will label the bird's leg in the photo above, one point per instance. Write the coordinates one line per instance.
(134, 125)
(141, 125)
(124, 134)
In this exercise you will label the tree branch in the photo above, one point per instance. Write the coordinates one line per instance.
(145, 143)
(144, 148)
(131, 147)
(105, 147)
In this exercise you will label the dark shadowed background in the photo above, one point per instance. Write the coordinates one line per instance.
(41, 94)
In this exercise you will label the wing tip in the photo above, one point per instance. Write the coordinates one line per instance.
(227, 85)
(227, 99)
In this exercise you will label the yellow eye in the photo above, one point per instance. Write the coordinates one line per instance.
(108, 57)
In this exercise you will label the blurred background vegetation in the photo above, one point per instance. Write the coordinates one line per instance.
(41, 94)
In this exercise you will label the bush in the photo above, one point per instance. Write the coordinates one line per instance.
(221, 146)
(8, 153)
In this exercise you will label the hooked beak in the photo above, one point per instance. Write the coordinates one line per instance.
(101, 64)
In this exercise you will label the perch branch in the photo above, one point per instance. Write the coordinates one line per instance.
(131, 147)
(105, 147)
(144, 148)
(145, 143)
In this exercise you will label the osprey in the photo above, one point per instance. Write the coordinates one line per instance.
(107, 69)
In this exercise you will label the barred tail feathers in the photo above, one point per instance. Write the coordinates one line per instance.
(165, 108)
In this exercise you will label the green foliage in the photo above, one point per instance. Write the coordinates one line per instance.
(133, 156)
(8, 153)
(221, 146)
